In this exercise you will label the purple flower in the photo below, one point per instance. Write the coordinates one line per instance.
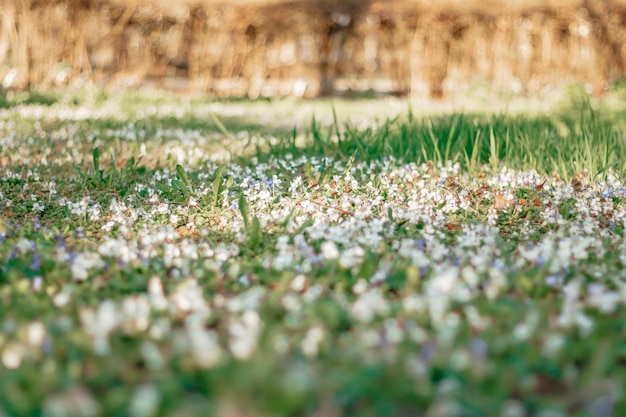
(60, 241)
(420, 244)
(479, 348)
(541, 260)
(428, 352)
(36, 263)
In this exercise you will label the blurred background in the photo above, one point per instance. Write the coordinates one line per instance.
(425, 49)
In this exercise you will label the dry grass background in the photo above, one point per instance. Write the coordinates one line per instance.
(306, 48)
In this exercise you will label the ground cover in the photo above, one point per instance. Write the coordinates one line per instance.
(161, 256)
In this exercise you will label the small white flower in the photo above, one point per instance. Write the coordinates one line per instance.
(602, 299)
(360, 287)
(61, 299)
(413, 304)
(37, 207)
(144, 402)
(299, 283)
(24, 245)
(369, 305)
(291, 303)
(244, 334)
(311, 343)
(83, 263)
(205, 348)
(329, 250)
(36, 333)
(12, 356)
(351, 257)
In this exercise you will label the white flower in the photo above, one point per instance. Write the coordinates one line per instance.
(12, 355)
(553, 345)
(61, 299)
(445, 281)
(144, 402)
(368, 305)
(360, 287)
(135, 313)
(329, 250)
(94, 212)
(351, 257)
(570, 311)
(299, 283)
(291, 303)
(311, 342)
(24, 245)
(244, 334)
(604, 300)
(83, 263)
(204, 346)
(187, 298)
(413, 304)
(37, 207)
(36, 333)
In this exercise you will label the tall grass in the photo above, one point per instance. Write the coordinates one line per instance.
(562, 143)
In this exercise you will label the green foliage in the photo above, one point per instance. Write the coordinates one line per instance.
(137, 243)
(557, 144)
(10, 98)
(183, 184)
(218, 185)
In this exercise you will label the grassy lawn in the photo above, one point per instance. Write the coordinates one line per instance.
(180, 257)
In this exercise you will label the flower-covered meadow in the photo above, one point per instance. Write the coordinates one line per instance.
(169, 257)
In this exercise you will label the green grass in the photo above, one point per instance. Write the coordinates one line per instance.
(162, 256)
(562, 144)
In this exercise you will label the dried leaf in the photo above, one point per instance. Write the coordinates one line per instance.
(501, 201)
(540, 186)
(451, 183)
(184, 231)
